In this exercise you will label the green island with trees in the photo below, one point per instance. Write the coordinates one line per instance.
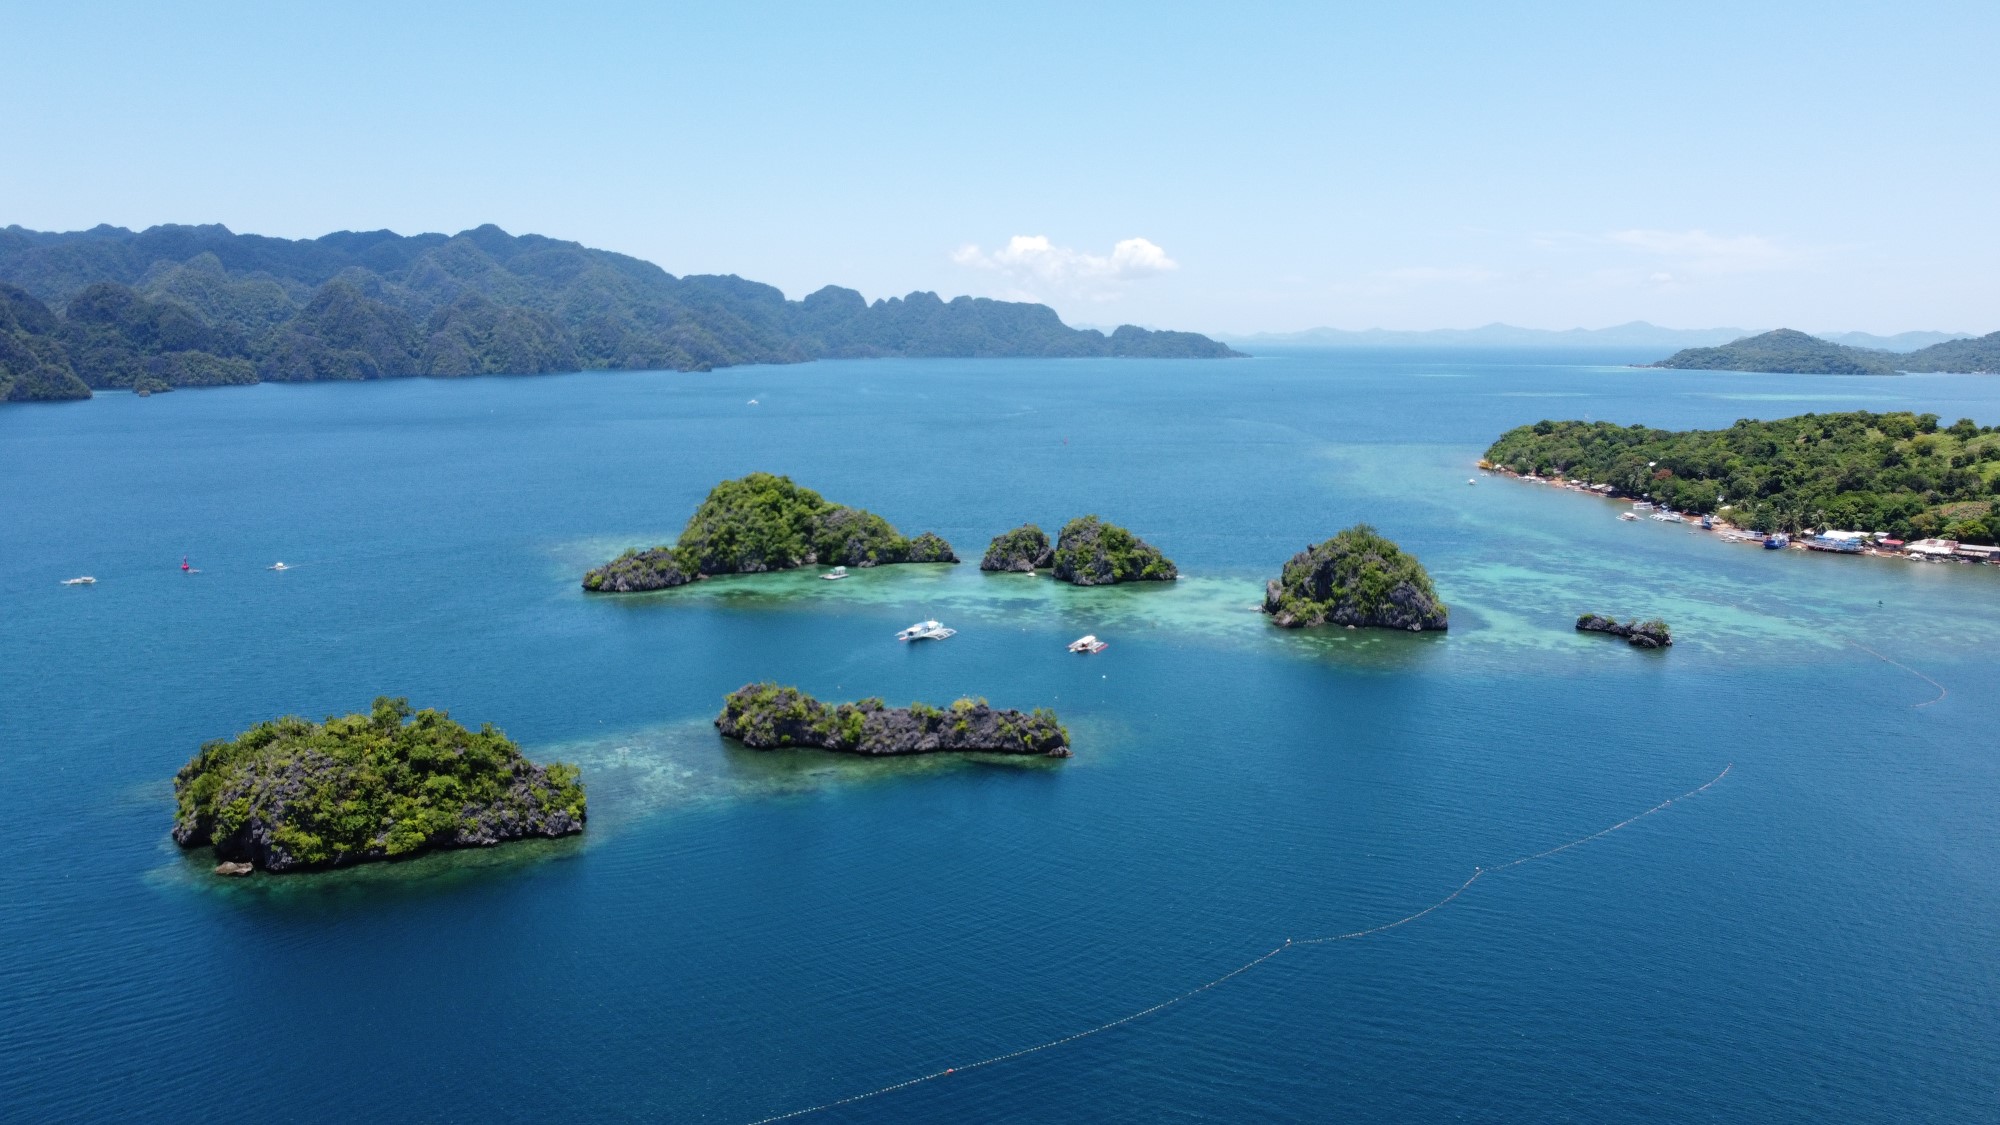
(1898, 473)
(766, 716)
(1358, 579)
(761, 523)
(1785, 351)
(1651, 633)
(294, 795)
(1092, 552)
(190, 306)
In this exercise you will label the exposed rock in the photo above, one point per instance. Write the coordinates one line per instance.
(1356, 578)
(227, 867)
(1640, 634)
(656, 568)
(766, 716)
(1025, 549)
(1090, 552)
(929, 547)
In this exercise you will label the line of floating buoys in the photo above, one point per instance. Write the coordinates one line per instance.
(1245, 967)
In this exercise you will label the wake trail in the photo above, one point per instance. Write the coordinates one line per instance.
(1289, 943)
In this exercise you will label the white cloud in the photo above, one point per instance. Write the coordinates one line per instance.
(1033, 261)
(1698, 251)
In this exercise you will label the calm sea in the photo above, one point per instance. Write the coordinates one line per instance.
(740, 935)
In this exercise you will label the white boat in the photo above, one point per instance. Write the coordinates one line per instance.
(86, 580)
(1087, 643)
(1628, 516)
(1469, 480)
(279, 566)
(925, 631)
(836, 574)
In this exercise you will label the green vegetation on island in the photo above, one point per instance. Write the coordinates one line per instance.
(763, 523)
(1898, 473)
(766, 716)
(1359, 579)
(1023, 550)
(1639, 634)
(1091, 552)
(291, 795)
(34, 365)
(1785, 351)
(176, 306)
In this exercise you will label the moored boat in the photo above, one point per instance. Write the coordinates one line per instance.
(835, 575)
(1088, 643)
(926, 631)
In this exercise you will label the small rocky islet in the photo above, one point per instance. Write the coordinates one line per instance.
(761, 523)
(295, 795)
(1358, 579)
(1088, 552)
(767, 716)
(1639, 634)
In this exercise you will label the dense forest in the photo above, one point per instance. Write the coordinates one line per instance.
(1900, 473)
(1785, 351)
(179, 306)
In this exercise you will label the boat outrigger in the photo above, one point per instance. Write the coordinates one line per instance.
(925, 631)
(836, 574)
(1088, 643)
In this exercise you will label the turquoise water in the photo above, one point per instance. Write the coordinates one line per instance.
(740, 934)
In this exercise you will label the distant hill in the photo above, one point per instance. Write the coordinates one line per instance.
(1785, 351)
(1638, 333)
(176, 306)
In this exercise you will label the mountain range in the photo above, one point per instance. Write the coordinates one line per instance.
(177, 306)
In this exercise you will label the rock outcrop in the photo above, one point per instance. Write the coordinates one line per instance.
(1356, 578)
(763, 523)
(766, 716)
(1023, 550)
(1090, 552)
(292, 795)
(1639, 634)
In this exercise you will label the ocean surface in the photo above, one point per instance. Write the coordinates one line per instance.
(1815, 937)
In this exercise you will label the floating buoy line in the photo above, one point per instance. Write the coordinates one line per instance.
(1478, 873)
(1912, 671)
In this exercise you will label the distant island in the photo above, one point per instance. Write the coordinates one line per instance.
(763, 523)
(1788, 352)
(192, 306)
(293, 795)
(1635, 334)
(766, 716)
(1897, 473)
(1358, 579)
(1023, 550)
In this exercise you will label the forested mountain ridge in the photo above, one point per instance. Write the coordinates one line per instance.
(200, 305)
(1785, 351)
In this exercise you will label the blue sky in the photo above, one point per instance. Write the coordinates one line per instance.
(1222, 168)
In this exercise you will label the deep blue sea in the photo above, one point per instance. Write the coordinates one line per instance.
(738, 935)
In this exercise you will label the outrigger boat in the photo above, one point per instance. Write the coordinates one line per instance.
(279, 566)
(926, 631)
(1088, 643)
(86, 580)
(836, 574)
(1628, 516)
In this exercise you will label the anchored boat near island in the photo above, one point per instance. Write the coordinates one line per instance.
(926, 631)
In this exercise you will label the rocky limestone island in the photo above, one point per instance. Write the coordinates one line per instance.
(766, 717)
(293, 795)
(763, 523)
(1023, 550)
(1358, 579)
(1640, 634)
(1090, 552)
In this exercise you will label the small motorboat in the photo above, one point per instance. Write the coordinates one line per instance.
(279, 565)
(1087, 643)
(926, 631)
(1628, 516)
(836, 574)
(752, 402)
(1470, 480)
(85, 580)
